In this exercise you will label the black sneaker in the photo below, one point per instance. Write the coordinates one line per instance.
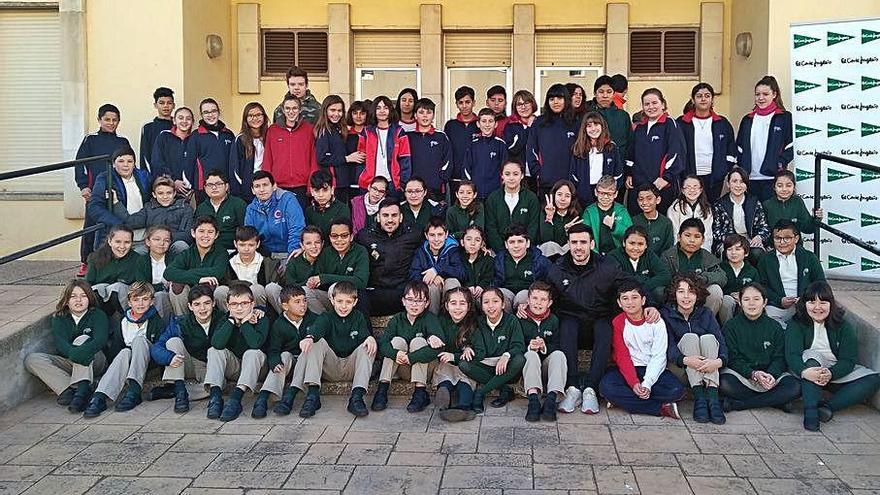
(504, 396)
(716, 413)
(285, 405)
(701, 410)
(312, 404)
(231, 410)
(97, 405)
(65, 397)
(181, 401)
(380, 398)
(261, 407)
(215, 407)
(160, 392)
(357, 406)
(825, 412)
(548, 413)
(129, 401)
(533, 413)
(419, 401)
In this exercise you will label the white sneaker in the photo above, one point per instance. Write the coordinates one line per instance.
(589, 403)
(571, 401)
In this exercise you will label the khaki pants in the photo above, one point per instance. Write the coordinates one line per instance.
(706, 345)
(323, 362)
(448, 372)
(274, 382)
(317, 300)
(192, 368)
(435, 294)
(223, 365)
(59, 373)
(179, 302)
(783, 316)
(728, 308)
(553, 366)
(130, 364)
(511, 301)
(106, 291)
(416, 373)
(713, 300)
(221, 292)
(162, 302)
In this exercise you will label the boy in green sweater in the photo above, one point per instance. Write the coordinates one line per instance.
(285, 347)
(660, 234)
(404, 348)
(342, 261)
(236, 353)
(246, 266)
(339, 347)
(299, 269)
(688, 256)
(608, 219)
(543, 356)
(227, 210)
(635, 258)
(203, 263)
(739, 273)
(324, 208)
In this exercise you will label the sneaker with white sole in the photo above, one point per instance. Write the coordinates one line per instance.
(571, 401)
(669, 410)
(589, 402)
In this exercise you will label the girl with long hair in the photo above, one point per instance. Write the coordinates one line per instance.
(458, 322)
(765, 138)
(246, 156)
(594, 155)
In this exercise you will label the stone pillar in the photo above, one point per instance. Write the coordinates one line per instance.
(431, 30)
(248, 48)
(339, 47)
(711, 43)
(523, 63)
(617, 39)
(74, 97)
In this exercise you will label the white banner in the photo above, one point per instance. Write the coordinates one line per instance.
(835, 70)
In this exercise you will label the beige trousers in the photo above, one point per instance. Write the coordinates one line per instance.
(274, 382)
(323, 362)
(59, 373)
(554, 366)
(416, 373)
(130, 364)
(692, 344)
(223, 365)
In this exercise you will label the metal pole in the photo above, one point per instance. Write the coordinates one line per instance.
(46, 245)
(49, 168)
(817, 202)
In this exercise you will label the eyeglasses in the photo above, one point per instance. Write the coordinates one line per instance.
(783, 239)
(413, 300)
(414, 191)
(377, 190)
(239, 304)
(255, 116)
(340, 236)
(214, 184)
(524, 104)
(606, 194)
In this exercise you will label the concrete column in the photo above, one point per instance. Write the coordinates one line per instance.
(523, 63)
(711, 43)
(74, 97)
(248, 40)
(617, 39)
(431, 29)
(339, 47)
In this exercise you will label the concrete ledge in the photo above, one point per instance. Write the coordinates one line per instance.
(863, 312)
(16, 342)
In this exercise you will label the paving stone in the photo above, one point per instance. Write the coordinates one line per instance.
(438, 425)
(202, 425)
(105, 433)
(866, 482)
(723, 444)
(777, 422)
(512, 460)
(23, 473)
(180, 464)
(465, 491)
(196, 442)
(236, 428)
(419, 442)
(293, 492)
(775, 486)
(648, 459)
(381, 480)
(322, 453)
(719, 486)
(584, 434)
(858, 448)
(704, 465)
(62, 485)
(17, 487)
(65, 433)
(280, 448)
(139, 486)
(236, 462)
(563, 476)
(749, 466)
(797, 466)
(122, 453)
(294, 433)
(48, 453)
(652, 439)
(763, 444)
(661, 480)
(500, 440)
(852, 464)
(9, 452)
(219, 479)
(393, 419)
(214, 491)
(152, 437)
(88, 468)
(840, 432)
(615, 480)
(799, 444)
(319, 477)
(279, 462)
(27, 434)
(487, 477)
(333, 434)
(373, 437)
(454, 443)
(535, 437)
(576, 454)
(364, 454)
(417, 459)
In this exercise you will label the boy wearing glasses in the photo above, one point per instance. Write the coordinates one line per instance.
(405, 349)
(236, 353)
(324, 206)
(341, 261)
(608, 219)
(787, 271)
(226, 209)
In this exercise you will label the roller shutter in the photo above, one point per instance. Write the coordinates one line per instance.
(570, 49)
(477, 49)
(387, 49)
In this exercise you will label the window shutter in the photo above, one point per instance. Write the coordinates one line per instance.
(311, 51)
(644, 52)
(569, 49)
(473, 49)
(387, 49)
(279, 51)
(679, 52)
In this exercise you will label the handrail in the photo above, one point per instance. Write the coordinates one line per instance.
(67, 237)
(817, 203)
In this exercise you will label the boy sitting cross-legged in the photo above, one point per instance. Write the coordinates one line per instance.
(339, 346)
(236, 353)
(404, 347)
(543, 357)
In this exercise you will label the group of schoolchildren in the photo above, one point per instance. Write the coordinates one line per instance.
(300, 235)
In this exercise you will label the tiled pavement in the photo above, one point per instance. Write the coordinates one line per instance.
(152, 450)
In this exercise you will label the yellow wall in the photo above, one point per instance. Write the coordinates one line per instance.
(749, 16)
(42, 222)
(204, 76)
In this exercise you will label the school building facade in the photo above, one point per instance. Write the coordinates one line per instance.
(62, 59)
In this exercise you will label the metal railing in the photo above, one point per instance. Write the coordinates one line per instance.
(817, 203)
(67, 237)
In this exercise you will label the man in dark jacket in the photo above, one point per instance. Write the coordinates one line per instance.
(587, 286)
(391, 247)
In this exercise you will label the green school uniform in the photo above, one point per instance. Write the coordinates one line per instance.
(660, 234)
(343, 335)
(229, 216)
(239, 338)
(555, 231)
(480, 272)
(195, 339)
(650, 270)
(607, 239)
(702, 263)
(322, 218)
(518, 274)
(127, 270)
(547, 329)
(507, 337)
(458, 219)
(299, 270)
(755, 345)
(499, 217)
(843, 342)
(447, 331)
(735, 281)
(399, 326)
(419, 222)
(64, 331)
(189, 267)
(792, 209)
(809, 270)
(285, 336)
(354, 267)
(145, 266)
(155, 326)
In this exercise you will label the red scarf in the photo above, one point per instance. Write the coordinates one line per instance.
(538, 318)
(763, 112)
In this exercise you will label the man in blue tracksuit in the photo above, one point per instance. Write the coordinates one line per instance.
(461, 130)
(485, 156)
(277, 216)
(163, 102)
(430, 151)
(103, 142)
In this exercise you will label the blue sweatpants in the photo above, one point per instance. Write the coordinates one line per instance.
(615, 389)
